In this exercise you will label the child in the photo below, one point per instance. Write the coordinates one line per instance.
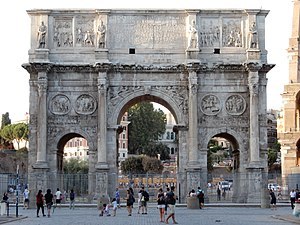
(105, 210)
(115, 206)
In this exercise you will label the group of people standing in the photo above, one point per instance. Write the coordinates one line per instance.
(51, 201)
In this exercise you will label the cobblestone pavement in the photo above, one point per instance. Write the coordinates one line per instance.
(207, 216)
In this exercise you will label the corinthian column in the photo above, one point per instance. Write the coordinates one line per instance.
(254, 123)
(42, 84)
(102, 123)
(193, 119)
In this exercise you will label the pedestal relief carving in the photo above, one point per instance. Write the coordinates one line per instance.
(60, 105)
(210, 105)
(85, 104)
(235, 105)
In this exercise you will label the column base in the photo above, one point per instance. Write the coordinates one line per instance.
(40, 165)
(101, 166)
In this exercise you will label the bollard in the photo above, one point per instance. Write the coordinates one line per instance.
(192, 202)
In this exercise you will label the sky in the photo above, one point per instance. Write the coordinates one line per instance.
(15, 39)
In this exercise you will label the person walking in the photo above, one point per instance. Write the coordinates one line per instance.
(139, 201)
(49, 201)
(114, 206)
(26, 198)
(273, 200)
(72, 199)
(166, 204)
(171, 200)
(293, 198)
(118, 198)
(144, 200)
(58, 197)
(129, 201)
(161, 204)
(40, 203)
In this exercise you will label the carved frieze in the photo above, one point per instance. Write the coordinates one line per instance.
(231, 33)
(85, 104)
(60, 104)
(147, 31)
(210, 105)
(209, 32)
(235, 105)
(84, 32)
(63, 35)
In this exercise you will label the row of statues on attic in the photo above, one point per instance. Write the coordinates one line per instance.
(65, 39)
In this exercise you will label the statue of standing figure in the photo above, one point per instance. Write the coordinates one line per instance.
(101, 35)
(253, 40)
(193, 37)
(42, 35)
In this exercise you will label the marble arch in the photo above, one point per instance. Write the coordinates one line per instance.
(81, 85)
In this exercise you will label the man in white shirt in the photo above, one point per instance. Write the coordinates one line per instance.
(57, 198)
(293, 198)
(26, 198)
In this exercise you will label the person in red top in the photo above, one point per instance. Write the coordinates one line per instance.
(40, 203)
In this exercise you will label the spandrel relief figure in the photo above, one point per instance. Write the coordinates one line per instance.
(253, 39)
(193, 35)
(101, 33)
(41, 35)
(210, 105)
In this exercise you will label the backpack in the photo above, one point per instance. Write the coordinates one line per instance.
(146, 196)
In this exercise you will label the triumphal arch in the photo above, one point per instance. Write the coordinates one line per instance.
(208, 67)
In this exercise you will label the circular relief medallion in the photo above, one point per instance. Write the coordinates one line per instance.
(85, 104)
(210, 105)
(235, 105)
(60, 104)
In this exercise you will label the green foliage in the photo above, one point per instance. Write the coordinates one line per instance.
(73, 166)
(272, 156)
(152, 165)
(209, 160)
(155, 148)
(7, 132)
(146, 125)
(141, 165)
(132, 165)
(20, 132)
(5, 120)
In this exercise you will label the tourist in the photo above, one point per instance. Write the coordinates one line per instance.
(273, 199)
(72, 199)
(49, 201)
(161, 204)
(40, 203)
(139, 201)
(103, 202)
(192, 193)
(200, 195)
(114, 206)
(118, 198)
(144, 200)
(129, 201)
(166, 204)
(171, 200)
(26, 198)
(293, 198)
(58, 197)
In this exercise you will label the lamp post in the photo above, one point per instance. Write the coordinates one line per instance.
(17, 193)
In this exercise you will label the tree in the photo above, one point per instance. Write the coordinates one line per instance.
(20, 133)
(7, 133)
(5, 121)
(152, 165)
(73, 166)
(146, 125)
(273, 153)
(154, 148)
(132, 165)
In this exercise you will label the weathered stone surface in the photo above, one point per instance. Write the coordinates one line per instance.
(95, 64)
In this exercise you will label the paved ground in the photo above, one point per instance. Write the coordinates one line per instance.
(225, 215)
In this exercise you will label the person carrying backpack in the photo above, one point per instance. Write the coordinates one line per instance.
(72, 199)
(144, 200)
(200, 195)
